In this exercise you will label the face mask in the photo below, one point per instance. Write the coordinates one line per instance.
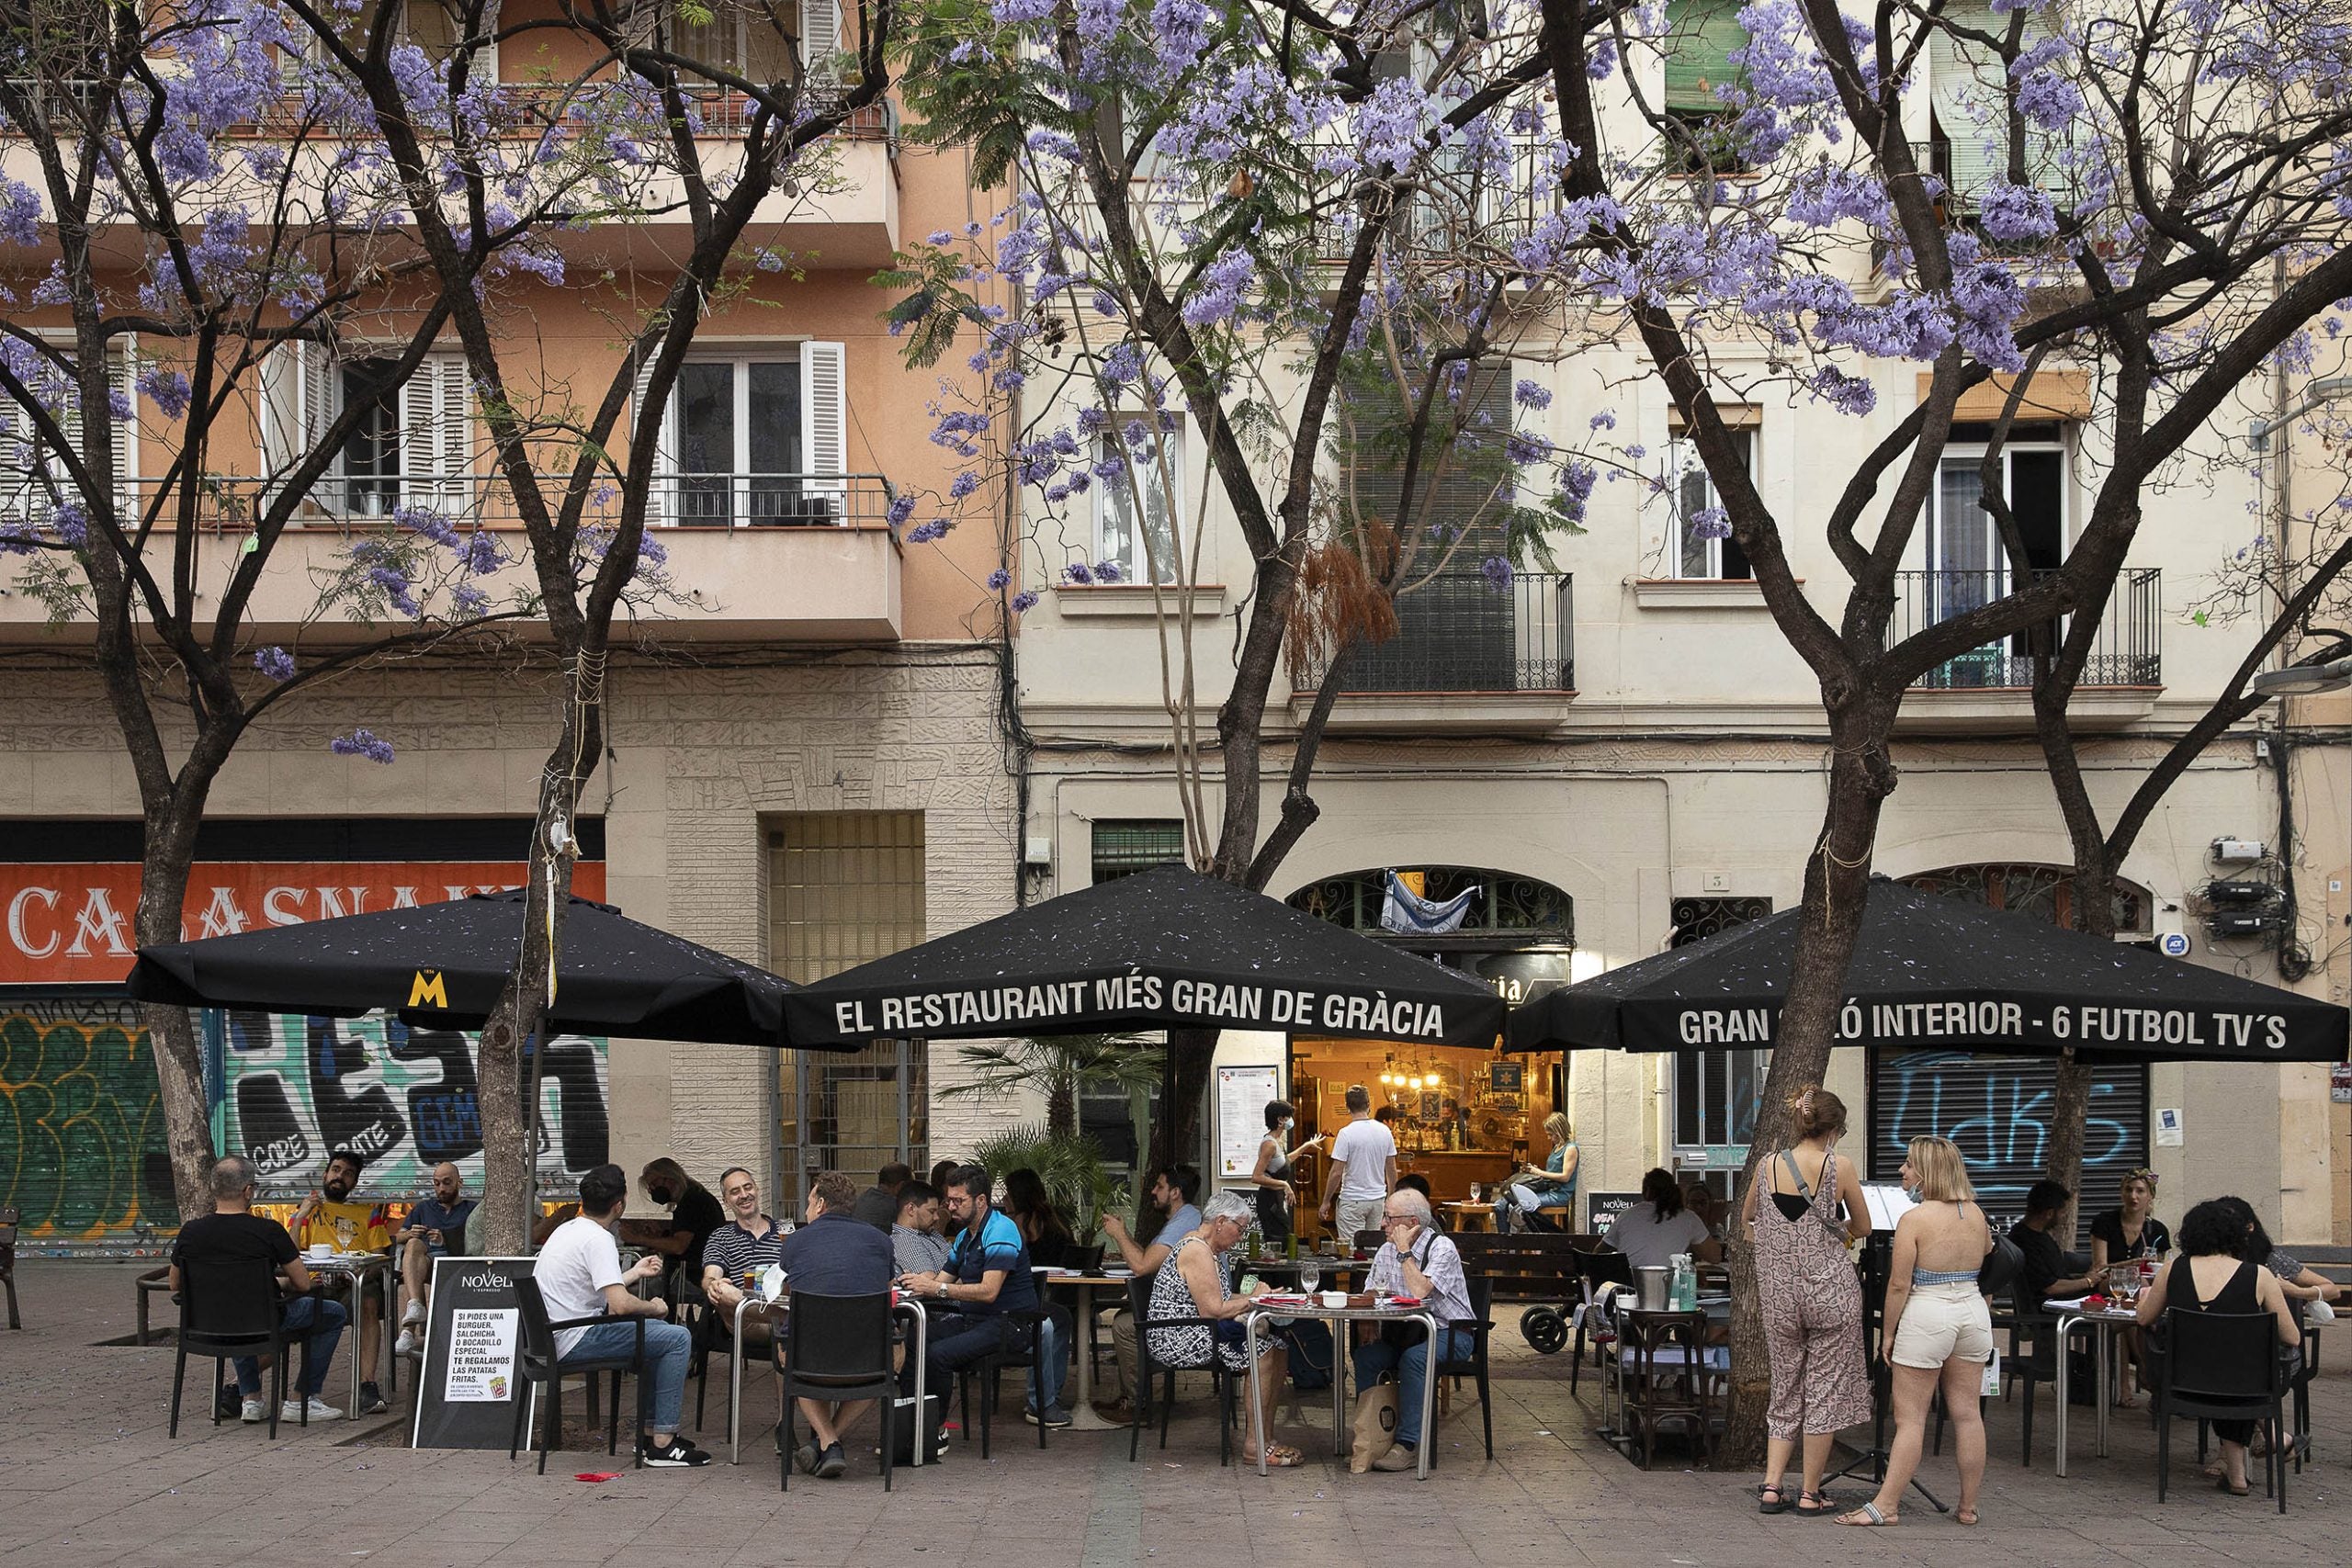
(659, 1194)
(1912, 1192)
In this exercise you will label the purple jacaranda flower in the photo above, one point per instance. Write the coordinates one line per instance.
(999, 579)
(362, 743)
(273, 662)
(1497, 573)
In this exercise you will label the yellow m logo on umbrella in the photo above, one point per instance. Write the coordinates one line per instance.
(429, 991)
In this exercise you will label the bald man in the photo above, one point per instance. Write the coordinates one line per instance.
(435, 1227)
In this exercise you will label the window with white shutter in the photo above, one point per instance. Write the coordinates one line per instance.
(824, 423)
(34, 479)
(662, 506)
(436, 436)
(758, 438)
(820, 38)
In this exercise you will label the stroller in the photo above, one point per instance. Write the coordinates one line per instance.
(1548, 1329)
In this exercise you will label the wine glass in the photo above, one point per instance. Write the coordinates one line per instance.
(1310, 1274)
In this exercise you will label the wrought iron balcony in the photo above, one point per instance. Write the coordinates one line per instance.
(1458, 632)
(2127, 652)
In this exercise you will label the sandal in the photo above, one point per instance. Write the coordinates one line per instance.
(1780, 1501)
(2224, 1485)
(1279, 1457)
(1820, 1501)
(1867, 1517)
(1965, 1516)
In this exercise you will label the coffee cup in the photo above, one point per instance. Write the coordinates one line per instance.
(322, 1249)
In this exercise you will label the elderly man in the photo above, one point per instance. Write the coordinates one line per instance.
(1416, 1259)
(233, 1231)
(739, 1249)
(435, 1227)
(833, 1254)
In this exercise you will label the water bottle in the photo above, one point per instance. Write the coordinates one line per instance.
(1683, 1292)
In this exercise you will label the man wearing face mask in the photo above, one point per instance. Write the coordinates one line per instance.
(694, 1214)
(1272, 1177)
(329, 1217)
(1416, 1259)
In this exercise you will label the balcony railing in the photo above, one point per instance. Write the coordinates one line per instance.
(2127, 651)
(708, 501)
(1457, 632)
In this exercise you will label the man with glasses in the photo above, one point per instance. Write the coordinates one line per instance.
(986, 1275)
(1416, 1259)
(234, 1231)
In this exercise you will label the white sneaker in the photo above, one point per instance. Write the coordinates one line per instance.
(320, 1410)
(257, 1409)
(414, 1315)
(406, 1344)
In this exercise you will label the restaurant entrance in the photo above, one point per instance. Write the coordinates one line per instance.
(1463, 1117)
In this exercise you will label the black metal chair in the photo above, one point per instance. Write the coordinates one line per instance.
(2306, 1369)
(538, 1367)
(1480, 1326)
(229, 1307)
(837, 1349)
(1019, 1351)
(714, 1331)
(9, 1219)
(2223, 1366)
(1595, 1270)
(2025, 1368)
(1147, 1364)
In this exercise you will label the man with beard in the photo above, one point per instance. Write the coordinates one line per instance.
(330, 1217)
(435, 1227)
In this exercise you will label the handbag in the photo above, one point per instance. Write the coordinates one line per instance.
(2001, 1267)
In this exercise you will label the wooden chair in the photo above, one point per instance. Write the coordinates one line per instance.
(1666, 1377)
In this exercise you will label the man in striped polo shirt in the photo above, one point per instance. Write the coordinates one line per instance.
(747, 1243)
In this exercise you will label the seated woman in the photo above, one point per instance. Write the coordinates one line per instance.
(1655, 1230)
(1551, 1185)
(1192, 1284)
(1049, 1237)
(2212, 1274)
(2126, 1234)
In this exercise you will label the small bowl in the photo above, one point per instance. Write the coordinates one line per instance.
(1335, 1299)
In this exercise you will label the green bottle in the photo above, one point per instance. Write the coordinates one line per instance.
(1289, 1247)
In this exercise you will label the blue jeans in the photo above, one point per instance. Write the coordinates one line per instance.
(668, 1347)
(1411, 1365)
(1053, 1353)
(302, 1312)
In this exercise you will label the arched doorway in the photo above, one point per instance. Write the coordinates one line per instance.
(1997, 1108)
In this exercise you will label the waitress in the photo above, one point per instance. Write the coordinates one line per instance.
(1270, 1177)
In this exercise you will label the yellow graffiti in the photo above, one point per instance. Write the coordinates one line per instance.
(429, 993)
(81, 1124)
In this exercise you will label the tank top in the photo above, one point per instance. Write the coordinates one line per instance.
(1279, 1167)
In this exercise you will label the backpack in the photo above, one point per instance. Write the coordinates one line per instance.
(1309, 1343)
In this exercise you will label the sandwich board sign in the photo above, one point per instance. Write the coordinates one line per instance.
(467, 1386)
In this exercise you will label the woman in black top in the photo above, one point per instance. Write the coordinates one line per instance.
(2212, 1274)
(1042, 1226)
(2126, 1234)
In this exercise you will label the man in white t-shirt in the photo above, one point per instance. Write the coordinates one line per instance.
(580, 1275)
(1363, 1169)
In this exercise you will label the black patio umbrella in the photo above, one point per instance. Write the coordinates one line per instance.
(1163, 949)
(442, 966)
(1936, 971)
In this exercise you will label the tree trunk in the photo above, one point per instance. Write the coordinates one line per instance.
(1183, 1078)
(1836, 880)
(167, 852)
(2070, 1099)
(508, 1085)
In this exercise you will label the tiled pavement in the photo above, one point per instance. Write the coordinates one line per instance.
(87, 1477)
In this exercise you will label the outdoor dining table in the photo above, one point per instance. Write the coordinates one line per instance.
(347, 1274)
(1082, 1418)
(774, 1313)
(1375, 1314)
(2103, 1325)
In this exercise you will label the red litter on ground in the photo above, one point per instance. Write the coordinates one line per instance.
(598, 1476)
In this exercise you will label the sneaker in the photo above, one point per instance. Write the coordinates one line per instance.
(804, 1457)
(371, 1400)
(1053, 1415)
(833, 1465)
(406, 1344)
(414, 1315)
(676, 1454)
(320, 1410)
(1398, 1457)
(255, 1409)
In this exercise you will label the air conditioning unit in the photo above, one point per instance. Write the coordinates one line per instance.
(2239, 893)
(2236, 851)
(2242, 923)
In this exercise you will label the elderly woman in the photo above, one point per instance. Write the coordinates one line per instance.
(1416, 1259)
(1191, 1283)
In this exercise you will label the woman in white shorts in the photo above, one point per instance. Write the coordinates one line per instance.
(1936, 1328)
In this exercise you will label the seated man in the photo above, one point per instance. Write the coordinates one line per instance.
(878, 1204)
(1175, 1192)
(580, 1273)
(833, 1254)
(986, 1275)
(737, 1251)
(435, 1227)
(916, 1246)
(2048, 1271)
(1415, 1260)
(329, 1217)
(233, 1231)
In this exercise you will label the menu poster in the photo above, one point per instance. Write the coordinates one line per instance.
(482, 1354)
(1602, 1209)
(1242, 1094)
(467, 1386)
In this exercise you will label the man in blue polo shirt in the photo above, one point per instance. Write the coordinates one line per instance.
(833, 1254)
(986, 1275)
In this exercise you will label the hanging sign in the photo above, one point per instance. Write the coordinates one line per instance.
(1242, 1094)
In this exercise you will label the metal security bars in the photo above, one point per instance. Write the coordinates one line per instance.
(1459, 632)
(2128, 650)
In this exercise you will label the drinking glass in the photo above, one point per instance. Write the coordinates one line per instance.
(1310, 1274)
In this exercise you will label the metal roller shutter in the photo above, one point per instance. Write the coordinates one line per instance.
(1997, 1110)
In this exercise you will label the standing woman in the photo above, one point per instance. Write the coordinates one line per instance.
(1551, 1184)
(2212, 1274)
(1811, 1296)
(1936, 1328)
(2125, 1233)
(1270, 1177)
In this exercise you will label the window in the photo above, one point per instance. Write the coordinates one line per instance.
(1701, 36)
(413, 449)
(1124, 846)
(1717, 1092)
(32, 480)
(747, 40)
(371, 453)
(1969, 97)
(1695, 556)
(436, 27)
(754, 438)
(1967, 564)
(1156, 465)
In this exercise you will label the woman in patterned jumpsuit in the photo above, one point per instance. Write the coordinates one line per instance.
(1811, 1297)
